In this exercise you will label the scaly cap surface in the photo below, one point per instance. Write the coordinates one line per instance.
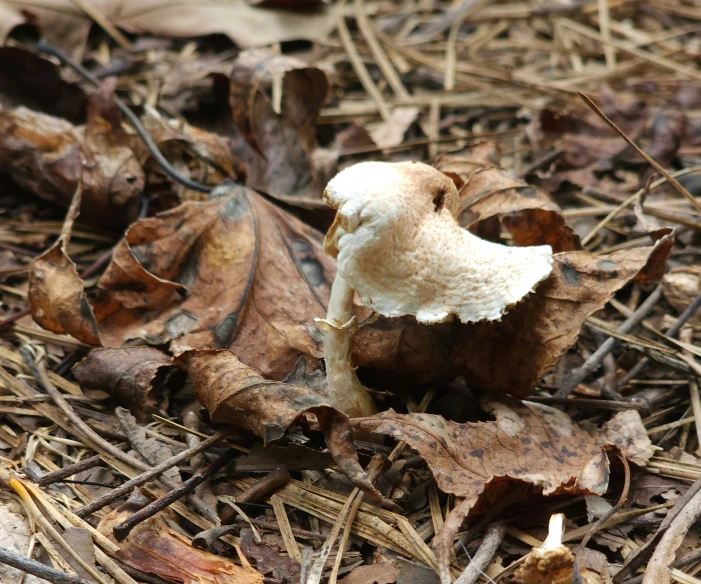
(400, 247)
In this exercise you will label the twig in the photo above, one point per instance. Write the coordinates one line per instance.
(358, 66)
(122, 530)
(145, 477)
(479, 562)
(576, 376)
(105, 24)
(37, 569)
(657, 571)
(258, 490)
(671, 332)
(604, 518)
(153, 148)
(67, 471)
(638, 556)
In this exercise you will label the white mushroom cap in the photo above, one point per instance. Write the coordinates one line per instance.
(400, 248)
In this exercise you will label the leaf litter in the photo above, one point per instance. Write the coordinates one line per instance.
(175, 301)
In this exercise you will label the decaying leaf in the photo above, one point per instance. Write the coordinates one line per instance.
(626, 432)
(56, 294)
(50, 157)
(268, 561)
(156, 548)
(151, 450)
(208, 275)
(128, 374)
(280, 136)
(526, 443)
(681, 286)
(66, 25)
(15, 536)
(36, 83)
(236, 394)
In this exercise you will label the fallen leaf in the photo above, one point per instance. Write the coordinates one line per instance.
(280, 137)
(28, 80)
(208, 275)
(625, 431)
(156, 548)
(56, 294)
(268, 561)
(391, 131)
(526, 443)
(529, 214)
(236, 394)
(151, 450)
(50, 157)
(384, 573)
(128, 374)
(681, 286)
(15, 536)
(65, 25)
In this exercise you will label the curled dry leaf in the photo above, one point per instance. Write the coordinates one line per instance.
(477, 462)
(49, 156)
(279, 137)
(56, 294)
(625, 432)
(128, 374)
(156, 548)
(681, 286)
(64, 24)
(152, 451)
(236, 394)
(36, 83)
(210, 275)
(489, 194)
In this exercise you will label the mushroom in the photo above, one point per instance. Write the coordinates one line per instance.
(400, 248)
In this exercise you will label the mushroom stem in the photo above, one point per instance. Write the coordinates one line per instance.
(345, 391)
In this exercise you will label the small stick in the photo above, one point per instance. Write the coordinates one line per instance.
(637, 557)
(672, 332)
(490, 543)
(37, 569)
(145, 477)
(576, 376)
(122, 530)
(257, 491)
(68, 471)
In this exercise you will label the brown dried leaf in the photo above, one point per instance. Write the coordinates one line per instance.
(384, 573)
(527, 443)
(625, 431)
(209, 275)
(681, 286)
(56, 294)
(527, 212)
(156, 548)
(236, 394)
(65, 25)
(153, 451)
(50, 157)
(128, 375)
(268, 561)
(36, 83)
(279, 143)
